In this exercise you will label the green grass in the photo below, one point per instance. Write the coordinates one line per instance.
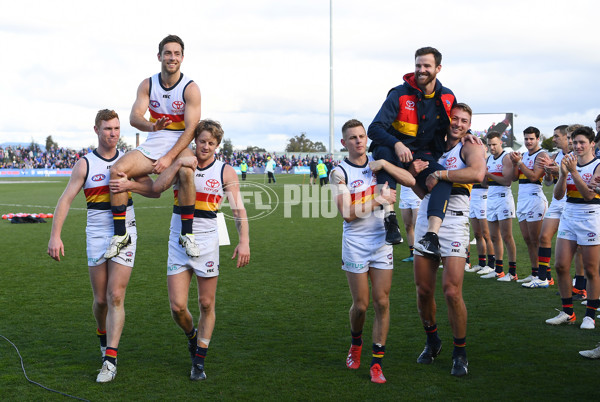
(282, 327)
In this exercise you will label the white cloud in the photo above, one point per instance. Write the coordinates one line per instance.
(263, 66)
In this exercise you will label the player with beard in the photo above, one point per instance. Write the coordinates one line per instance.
(412, 124)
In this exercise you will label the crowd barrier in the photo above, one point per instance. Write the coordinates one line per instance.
(67, 172)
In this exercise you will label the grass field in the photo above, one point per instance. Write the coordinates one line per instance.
(282, 329)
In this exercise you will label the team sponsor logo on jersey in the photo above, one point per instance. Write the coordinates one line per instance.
(213, 183)
(357, 183)
(410, 105)
(451, 162)
(177, 105)
(586, 177)
(210, 264)
(98, 177)
(155, 103)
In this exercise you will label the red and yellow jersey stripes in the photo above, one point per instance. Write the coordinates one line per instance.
(362, 186)
(363, 196)
(495, 166)
(95, 187)
(529, 162)
(587, 173)
(168, 102)
(209, 195)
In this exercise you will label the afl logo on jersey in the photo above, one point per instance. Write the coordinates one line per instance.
(455, 244)
(212, 183)
(356, 183)
(591, 234)
(98, 177)
(177, 105)
(154, 104)
(210, 264)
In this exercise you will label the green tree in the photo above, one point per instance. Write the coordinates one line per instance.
(227, 147)
(121, 144)
(254, 149)
(547, 144)
(319, 147)
(50, 143)
(301, 143)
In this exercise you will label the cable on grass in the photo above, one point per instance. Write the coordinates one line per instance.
(37, 383)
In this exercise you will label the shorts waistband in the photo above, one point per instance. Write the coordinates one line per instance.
(456, 213)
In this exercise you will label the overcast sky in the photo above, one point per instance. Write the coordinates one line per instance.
(263, 66)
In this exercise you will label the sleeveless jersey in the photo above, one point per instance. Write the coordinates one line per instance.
(459, 198)
(575, 200)
(168, 102)
(527, 186)
(494, 166)
(96, 190)
(361, 183)
(559, 157)
(209, 194)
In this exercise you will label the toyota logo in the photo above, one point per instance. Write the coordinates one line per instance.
(451, 161)
(178, 105)
(212, 183)
(410, 104)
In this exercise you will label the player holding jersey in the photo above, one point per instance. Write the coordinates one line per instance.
(365, 253)
(173, 101)
(213, 181)
(109, 277)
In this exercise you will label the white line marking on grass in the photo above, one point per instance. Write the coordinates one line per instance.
(27, 181)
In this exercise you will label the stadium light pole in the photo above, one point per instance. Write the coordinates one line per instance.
(331, 77)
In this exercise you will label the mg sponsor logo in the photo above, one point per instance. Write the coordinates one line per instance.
(98, 177)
